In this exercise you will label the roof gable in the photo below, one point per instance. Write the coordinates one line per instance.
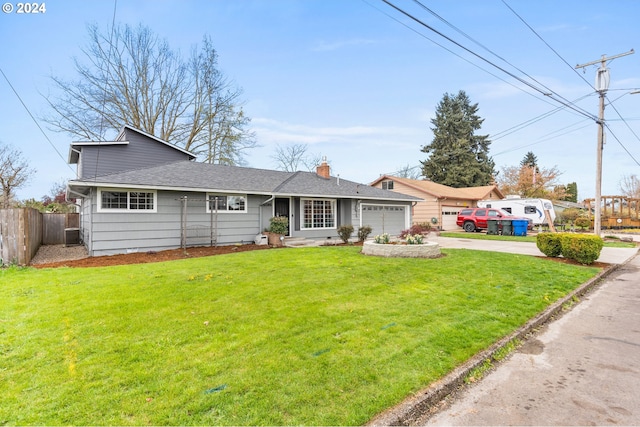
(443, 191)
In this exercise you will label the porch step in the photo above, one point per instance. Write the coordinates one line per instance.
(296, 242)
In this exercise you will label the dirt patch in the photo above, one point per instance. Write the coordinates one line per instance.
(152, 256)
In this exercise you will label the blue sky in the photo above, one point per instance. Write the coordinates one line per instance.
(357, 81)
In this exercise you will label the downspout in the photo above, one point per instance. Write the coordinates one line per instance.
(260, 212)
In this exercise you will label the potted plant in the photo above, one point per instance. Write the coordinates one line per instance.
(279, 225)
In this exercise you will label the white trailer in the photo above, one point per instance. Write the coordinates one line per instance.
(526, 208)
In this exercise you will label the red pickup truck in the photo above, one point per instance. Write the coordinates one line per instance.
(475, 219)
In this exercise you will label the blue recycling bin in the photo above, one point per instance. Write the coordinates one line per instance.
(520, 227)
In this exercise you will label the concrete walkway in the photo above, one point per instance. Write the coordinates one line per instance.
(607, 255)
(584, 369)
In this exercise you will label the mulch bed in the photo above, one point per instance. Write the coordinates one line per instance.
(147, 257)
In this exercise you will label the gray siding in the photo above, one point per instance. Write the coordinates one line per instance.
(139, 153)
(115, 233)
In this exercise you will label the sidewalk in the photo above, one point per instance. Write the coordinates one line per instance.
(583, 369)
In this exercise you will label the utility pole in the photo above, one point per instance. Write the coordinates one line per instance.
(602, 84)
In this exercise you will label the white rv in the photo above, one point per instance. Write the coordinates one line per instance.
(526, 208)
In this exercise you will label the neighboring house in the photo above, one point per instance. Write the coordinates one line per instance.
(140, 193)
(441, 203)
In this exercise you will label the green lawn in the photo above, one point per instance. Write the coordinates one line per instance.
(308, 336)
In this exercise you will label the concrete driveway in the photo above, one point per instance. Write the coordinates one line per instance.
(607, 255)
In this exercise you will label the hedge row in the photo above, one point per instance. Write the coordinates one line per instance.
(584, 248)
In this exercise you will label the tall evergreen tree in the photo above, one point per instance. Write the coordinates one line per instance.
(529, 160)
(457, 156)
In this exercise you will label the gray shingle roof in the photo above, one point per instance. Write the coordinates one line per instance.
(194, 176)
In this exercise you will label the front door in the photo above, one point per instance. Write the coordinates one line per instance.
(281, 208)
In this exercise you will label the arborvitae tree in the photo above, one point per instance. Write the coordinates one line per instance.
(457, 156)
(572, 192)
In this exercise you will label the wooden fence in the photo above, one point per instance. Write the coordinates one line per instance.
(20, 235)
(22, 231)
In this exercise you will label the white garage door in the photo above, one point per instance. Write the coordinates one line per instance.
(449, 216)
(385, 218)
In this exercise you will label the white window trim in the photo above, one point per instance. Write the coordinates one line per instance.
(334, 208)
(128, 209)
(246, 203)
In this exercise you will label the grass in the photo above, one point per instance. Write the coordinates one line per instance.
(308, 336)
(528, 238)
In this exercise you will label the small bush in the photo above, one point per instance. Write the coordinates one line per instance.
(345, 232)
(549, 244)
(363, 232)
(583, 222)
(279, 225)
(421, 229)
(583, 248)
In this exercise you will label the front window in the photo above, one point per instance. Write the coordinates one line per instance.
(529, 209)
(318, 213)
(112, 200)
(226, 203)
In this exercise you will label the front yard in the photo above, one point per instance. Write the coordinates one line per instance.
(310, 336)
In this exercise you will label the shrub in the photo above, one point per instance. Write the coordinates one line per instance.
(583, 248)
(549, 244)
(416, 229)
(345, 232)
(363, 232)
(583, 222)
(279, 225)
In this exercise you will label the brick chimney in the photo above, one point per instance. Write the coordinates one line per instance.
(323, 169)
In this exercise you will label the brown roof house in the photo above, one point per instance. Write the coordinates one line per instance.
(441, 203)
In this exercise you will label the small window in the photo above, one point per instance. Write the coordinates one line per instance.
(529, 209)
(488, 205)
(226, 203)
(387, 185)
(493, 213)
(481, 212)
(507, 209)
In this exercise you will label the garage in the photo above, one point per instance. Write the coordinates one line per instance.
(449, 216)
(390, 219)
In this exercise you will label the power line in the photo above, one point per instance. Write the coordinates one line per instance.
(457, 55)
(521, 80)
(547, 44)
(34, 120)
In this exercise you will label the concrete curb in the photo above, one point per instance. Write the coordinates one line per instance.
(415, 407)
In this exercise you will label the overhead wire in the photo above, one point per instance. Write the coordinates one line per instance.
(547, 44)
(457, 55)
(557, 99)
(468, 37)
(34, 119)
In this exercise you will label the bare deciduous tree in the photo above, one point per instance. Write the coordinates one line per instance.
(14, 173)
(409, 172)
(630, 186)
(291, 158)
(132, 77)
